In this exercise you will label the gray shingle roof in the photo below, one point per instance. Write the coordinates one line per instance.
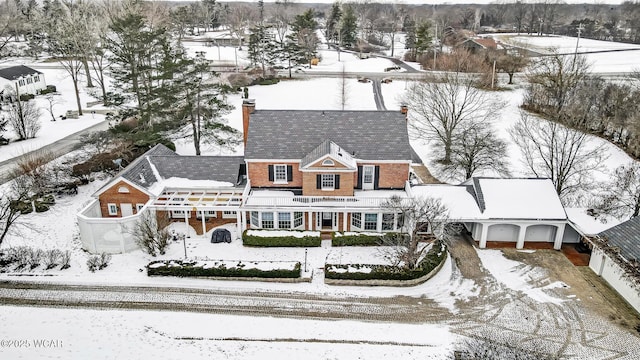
(218, 168)
(139, 171)
(14, 72)
(625, 236)
(292, 134)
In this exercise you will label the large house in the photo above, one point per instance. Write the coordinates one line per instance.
(314, 170)
(21, 79)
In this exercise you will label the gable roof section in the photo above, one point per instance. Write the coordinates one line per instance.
(214, 168)
(625, 236)
(15, 72)
(534, 199)
(140, 171)
(292, 134)
(329, 148)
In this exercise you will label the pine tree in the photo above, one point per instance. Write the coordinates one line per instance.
(333, 22)
(423, 38)
(348, 27)
(304, 36)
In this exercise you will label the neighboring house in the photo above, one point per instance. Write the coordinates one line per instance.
(21, 78)
(313, 170)
(477, 44)
(616, 258)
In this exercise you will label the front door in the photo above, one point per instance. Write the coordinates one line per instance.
(127, 209)
(368, 172)
(327, 220)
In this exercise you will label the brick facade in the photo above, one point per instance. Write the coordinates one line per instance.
(258, 173)
(116, 195)
(309, 187)
(392, 176)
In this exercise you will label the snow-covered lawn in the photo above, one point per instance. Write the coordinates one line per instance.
(95, 334)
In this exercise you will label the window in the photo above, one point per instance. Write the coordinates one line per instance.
(267, 220)
(356, 220)
(298, 218)
(36, 78)
(113, 209)
(328, 162)
(207, 214)
(123, 190)
(29, 80)
(370, 221)
(229, 214)
(284, 220)
(400, 220)
(367, 174)
(139, 207)
(255, 220)
(280, 173)
(179, 214)
(387, 222)
(328, 182)
(21, 82)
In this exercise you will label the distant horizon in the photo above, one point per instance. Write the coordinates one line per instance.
(416, 2)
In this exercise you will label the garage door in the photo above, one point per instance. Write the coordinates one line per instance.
(503, 232)
(540, 233)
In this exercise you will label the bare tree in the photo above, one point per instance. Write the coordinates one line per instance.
(551, 150)
(478, 150)
(53, 99)
(415, 216)
(441, 105)
(343, 89)
(620, 197)
(24, 119)
(150, 232)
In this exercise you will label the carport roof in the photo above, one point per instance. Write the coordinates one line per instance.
(626, 237)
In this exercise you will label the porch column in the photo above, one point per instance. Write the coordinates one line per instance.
(186, 222)
(483, 235)
(344, 221)
(204, 225)
(239, 222)
(310, 223)
(521, 234)
(557, 244)
(243, 216)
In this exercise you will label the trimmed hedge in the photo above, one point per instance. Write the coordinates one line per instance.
(280, 241)
(433, 258)
(188, 268)
(357, 240)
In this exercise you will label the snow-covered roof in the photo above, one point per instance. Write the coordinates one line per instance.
(184, 183)
(532, 198)
(459, 202)
(588, 224)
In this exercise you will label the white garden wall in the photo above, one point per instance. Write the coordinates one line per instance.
(109, 235)
(613, 274)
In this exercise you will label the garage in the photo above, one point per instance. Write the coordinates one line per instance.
(540, 233)
(503, 232)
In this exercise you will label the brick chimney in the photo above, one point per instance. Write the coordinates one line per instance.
(248, 107)
(404, 109)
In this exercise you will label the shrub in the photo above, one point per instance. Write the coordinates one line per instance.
(98, 262)
(339, 239)
(51, 258)
(65, 260)
(432, 259)
(49, 89)
(278, 241)
(26, 97)
(191, 268)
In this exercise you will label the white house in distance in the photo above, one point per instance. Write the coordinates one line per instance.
(23, 78)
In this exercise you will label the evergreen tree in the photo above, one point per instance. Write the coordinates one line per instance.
(303, 34)
(348, 27)
(423, 38)
(333, 22)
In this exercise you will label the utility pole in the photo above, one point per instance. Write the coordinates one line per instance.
(435, 47)
(575, 54)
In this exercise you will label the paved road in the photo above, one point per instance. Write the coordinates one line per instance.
(377, 94)
(58, 148)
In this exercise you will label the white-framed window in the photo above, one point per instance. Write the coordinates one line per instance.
(255, 219)
(267, 220)
(123, 190)
(207, 214)
(29, 80)
(229, 214)
(370, 221)
(284, 220)
(356, 220)
(387, 222)
(112, 208)
(36, 78)
(280, 173)
(179, 214)
(328, 162)
(298, 219)
(328, 181)
(21, 82)
(368, 172)
(139, 207)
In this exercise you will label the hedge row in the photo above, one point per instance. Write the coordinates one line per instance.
(189, 268)
(280, 241)
(433, 258)
(356, 239)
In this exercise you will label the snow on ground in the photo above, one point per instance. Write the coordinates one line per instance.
(171, 335)
(612, 62)
(53, 130)
(517, 276)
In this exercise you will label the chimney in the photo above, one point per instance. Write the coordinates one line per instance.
(404, 109)
(248, 107)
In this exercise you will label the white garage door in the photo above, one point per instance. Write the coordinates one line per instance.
(503, 232)
(540, 233)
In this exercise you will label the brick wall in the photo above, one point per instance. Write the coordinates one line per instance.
(114, 196)
(391, 175)
(309, 185)
(258, 173)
